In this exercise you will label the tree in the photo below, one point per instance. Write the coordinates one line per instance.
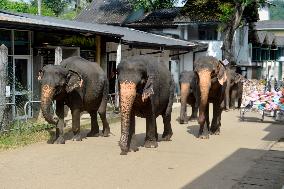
(231, 14)
(23, 7)
(150, 5)
(57, 6)
(276, 10)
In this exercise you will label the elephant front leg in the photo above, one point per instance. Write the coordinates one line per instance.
(59, 138)
(183, 113)
(131, 138)
(216, 121)
(94, 125)
(204, 118)
(102, 113)
(193, 113)
(151, 139)
(168, 133)
(76, 124)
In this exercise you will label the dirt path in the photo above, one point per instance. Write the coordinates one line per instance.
(185, 162)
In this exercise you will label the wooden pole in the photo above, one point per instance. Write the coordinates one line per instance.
(3, 83)
(58, 56)
(98, 49)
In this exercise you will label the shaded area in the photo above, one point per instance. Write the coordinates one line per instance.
(267, 172)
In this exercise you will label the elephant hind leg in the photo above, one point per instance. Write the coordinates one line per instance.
(102, 113)
(76, 124)
(167, 134)
(94, 125)
(151, 133)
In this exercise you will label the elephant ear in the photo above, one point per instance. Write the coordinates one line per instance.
(221, 73)
(74, 80)
(148, 90)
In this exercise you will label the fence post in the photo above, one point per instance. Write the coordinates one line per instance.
(3, 82)
(58, 56)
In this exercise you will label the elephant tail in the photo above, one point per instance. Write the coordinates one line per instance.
(171, 97)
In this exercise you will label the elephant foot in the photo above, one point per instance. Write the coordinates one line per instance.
(93, 134)
(77, 137)
(124, 149)
(133, 144)
(151, 144)
(167, 136)
(106, 132)
(215, 131)
(182, 121)
(59, 140)
(203, 134)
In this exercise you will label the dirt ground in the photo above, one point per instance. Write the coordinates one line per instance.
(221, 162)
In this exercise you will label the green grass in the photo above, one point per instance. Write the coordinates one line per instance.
(22, 133)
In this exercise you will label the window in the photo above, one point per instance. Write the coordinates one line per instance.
(207, 32)
(6, 39)
(22, 43)
(256, 54)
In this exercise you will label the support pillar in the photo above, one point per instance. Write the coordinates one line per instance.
(98, 49)
(3, 83)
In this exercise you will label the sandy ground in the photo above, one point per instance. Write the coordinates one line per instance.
(184, 162)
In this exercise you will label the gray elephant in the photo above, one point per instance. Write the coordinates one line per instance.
(212, 81)
(236, 90)
(82, 86)
(189, 95)
(146, 89)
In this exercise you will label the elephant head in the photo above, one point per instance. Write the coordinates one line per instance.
(56, 81)
(211, 74)
(134, 79)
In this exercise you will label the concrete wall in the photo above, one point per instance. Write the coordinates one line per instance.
(241, 46)
(263, 13)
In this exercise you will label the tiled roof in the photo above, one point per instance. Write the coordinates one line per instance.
(106, 12)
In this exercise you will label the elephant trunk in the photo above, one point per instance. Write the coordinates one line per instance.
(127, 96)
(185, 87)
(204, 84)
(46, 100)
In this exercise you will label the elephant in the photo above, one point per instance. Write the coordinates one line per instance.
(146, 89)
(82, 86)
(230, 78)
(236, 90)
(189, 95)
(212, 81)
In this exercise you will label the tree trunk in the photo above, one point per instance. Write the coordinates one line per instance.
(229, 32)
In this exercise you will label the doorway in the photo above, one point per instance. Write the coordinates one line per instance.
(21, 86)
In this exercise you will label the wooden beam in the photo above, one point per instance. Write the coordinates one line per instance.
(98, 49)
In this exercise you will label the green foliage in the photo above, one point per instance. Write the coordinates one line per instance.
(277, 10)
(57, 6)
(23, 7)
(70, 15)
(150, 5)
(221, 10)
(24, 133)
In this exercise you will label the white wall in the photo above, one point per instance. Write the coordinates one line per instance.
(263, 13)
(241, 49)
(186, 62)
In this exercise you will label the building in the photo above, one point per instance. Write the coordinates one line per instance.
(169, 22)
(34, 41)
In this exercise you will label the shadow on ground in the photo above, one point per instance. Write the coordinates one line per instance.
(267, 172)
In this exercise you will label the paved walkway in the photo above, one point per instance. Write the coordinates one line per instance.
(222, 162)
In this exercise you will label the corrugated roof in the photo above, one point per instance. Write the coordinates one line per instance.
(279, 40)
(269, 25)
(131, 36)
(51, 22)
(106, 12)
